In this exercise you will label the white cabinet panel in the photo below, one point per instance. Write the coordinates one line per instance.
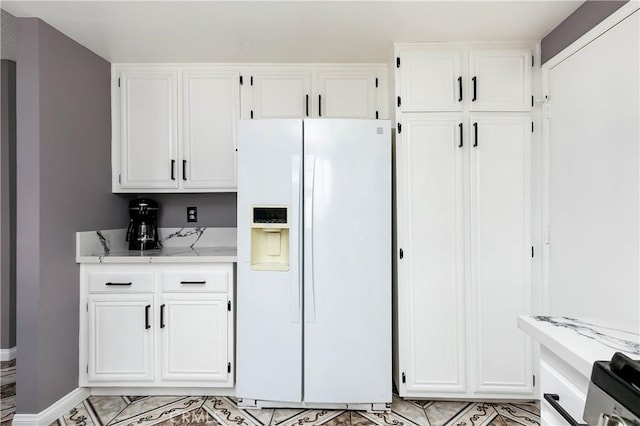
(211, 106)
(432, 163)
(430, 79)
(281, 94)
(344, 94)
(500, 80)
(194, 337)
(148, 131)
(501, 250)
(120, 338)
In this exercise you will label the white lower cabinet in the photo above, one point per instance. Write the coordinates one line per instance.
(164, 325)
(464, 255)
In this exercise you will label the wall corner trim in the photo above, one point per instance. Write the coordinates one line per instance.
(8, 354)
(53, 412)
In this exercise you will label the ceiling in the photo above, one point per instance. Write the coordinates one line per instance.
(286, 31)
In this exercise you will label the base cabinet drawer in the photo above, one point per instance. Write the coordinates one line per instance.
(559, 391)
(121, 282)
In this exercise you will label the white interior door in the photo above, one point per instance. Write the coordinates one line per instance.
(194, 337)
(593, 186)
(432, 155)
(281, 94)
(121, 334)
(269, 325)
(211, 107)
(500, 252)
(148, 131)
(431, 79)
(347, 265)
(346, 94)
(500, 80)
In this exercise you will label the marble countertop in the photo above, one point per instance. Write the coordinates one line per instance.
(582, 342)
(178, 245)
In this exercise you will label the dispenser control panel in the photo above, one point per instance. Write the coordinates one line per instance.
(270, 238)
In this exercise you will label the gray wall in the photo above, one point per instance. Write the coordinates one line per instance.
(7, 204)
(217, 210)
(63, 186)
(587, 16)
(7, 35)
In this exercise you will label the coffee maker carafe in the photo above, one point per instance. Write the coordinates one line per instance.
(143, 229)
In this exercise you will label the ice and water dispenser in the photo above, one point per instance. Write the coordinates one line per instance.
(270, 238)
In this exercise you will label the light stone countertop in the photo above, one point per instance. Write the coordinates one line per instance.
(581, 342)
(179, 245)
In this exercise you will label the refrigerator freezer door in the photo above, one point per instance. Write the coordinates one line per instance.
(347, 342)
(269, 326)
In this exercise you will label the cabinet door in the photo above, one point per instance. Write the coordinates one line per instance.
(432, 236)
(121, 338)
(211, 106)
(194, 337)
(281, 94)
(500, 252)
(430, 79)
(500, 80)
(346, 94)
(148, 135)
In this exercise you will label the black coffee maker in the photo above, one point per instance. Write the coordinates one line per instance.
(143, 228)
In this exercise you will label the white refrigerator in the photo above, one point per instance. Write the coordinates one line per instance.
(314, 264)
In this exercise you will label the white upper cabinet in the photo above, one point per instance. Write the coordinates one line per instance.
(500, 79)
(210, 107)
(439, 77)
(346, 94)
(147, 129)
(280, 93)
(431, 80)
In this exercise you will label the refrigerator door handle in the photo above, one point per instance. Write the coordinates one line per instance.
(309, 294)
(295, 239)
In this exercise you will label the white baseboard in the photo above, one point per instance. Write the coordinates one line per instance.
(8, 354)
(53, 412)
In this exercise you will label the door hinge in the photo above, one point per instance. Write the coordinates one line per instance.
(399, 128)
(229, 305)
(252, 80)
(399, 102)
(532, 127)
(401, 253)
(252, 114)
(404, 378)
(240, 80)
(377, 115)
(228, 367)
(118, 81)
(398, 62)
(376, 81)
(532, 252)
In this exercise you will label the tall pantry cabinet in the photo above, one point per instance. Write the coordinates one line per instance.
(463, 154)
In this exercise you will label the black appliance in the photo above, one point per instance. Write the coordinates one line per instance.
(143, 228)
(613, 398)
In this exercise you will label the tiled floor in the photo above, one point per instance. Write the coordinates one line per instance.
(194, 410)
(7, 391)
(198, 410)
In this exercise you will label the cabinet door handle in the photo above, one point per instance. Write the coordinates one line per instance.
(184, 169)
(193, 282)
(173, 169)
(554, 400)
(162, 316)
(460, 89)
(306, 105)
(110, 283)
(475, 88)
(146, 317)
(475, 134)
(461, 136)
(319, 105)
